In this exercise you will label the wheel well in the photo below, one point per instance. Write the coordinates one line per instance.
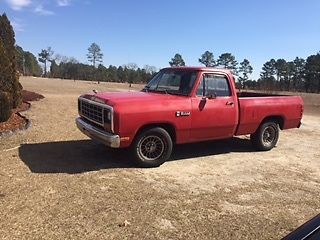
(277, 119)
(166, 126)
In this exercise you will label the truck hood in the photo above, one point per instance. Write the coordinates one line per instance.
(119, 98)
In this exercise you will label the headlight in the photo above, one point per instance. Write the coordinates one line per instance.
(79, 105)
(107, 116)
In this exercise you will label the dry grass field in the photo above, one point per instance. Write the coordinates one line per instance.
(58, 184)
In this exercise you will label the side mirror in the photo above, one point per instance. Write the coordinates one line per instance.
(211, 96)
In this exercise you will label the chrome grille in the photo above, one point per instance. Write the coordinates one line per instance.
(96, 112)
(92, 112)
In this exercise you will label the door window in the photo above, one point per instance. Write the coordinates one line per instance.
(217, 85)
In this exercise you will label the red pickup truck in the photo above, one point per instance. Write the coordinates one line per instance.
(183, 105)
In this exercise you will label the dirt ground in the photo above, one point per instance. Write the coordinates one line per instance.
(58, 184)
(18, 122)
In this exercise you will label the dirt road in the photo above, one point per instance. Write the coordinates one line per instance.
(58, 184)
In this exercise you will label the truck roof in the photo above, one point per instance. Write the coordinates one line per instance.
(213, 69)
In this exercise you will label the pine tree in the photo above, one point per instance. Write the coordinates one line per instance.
(10, 79)
(267, 78)
(207, 59)
(281, 68)
(298, 73)
(45, 56)
(177, 61)
(5, 65)
(228, 61)
(245, 69)
(94, 54)
(312, 82)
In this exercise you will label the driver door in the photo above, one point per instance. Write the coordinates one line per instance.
(214, 114)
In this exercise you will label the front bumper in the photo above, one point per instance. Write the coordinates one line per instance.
(105, 137)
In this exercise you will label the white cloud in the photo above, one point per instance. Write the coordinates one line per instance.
(41, 11)
(63, 3)
(37, 5)
(18, 4)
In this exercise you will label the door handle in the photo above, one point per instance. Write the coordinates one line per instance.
(229, 103)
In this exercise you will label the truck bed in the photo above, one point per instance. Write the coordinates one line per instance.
(256, 107)
(257, 94)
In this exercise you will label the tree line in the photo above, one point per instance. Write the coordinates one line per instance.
(129, 73)
(225, 60)
(27, 63)
(69, 68)
(297, 75)
(276, 75)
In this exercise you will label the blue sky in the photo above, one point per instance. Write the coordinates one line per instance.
(151, 32)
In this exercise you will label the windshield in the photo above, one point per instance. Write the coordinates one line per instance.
(178, 82)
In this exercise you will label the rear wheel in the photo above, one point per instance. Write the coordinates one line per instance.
(266, 136)
(152, 147)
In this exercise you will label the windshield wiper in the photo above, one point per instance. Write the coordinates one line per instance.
(160, 91)
(172, 92)
(146, 88)
(166, 91)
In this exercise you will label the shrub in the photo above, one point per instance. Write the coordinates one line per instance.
(5, 106)
(9, 80)
(17, 97)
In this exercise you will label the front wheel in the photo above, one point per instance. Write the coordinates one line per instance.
(266, 136)
(152, 147)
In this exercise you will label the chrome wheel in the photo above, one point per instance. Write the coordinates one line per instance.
(269, 135)
(151, 147)
(266, 136)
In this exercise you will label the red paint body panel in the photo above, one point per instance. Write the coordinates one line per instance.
(161, 110)
(213, 118)
(253, 110)
(218, 118)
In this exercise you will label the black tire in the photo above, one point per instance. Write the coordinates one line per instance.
(266, 136)
(152, 147)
